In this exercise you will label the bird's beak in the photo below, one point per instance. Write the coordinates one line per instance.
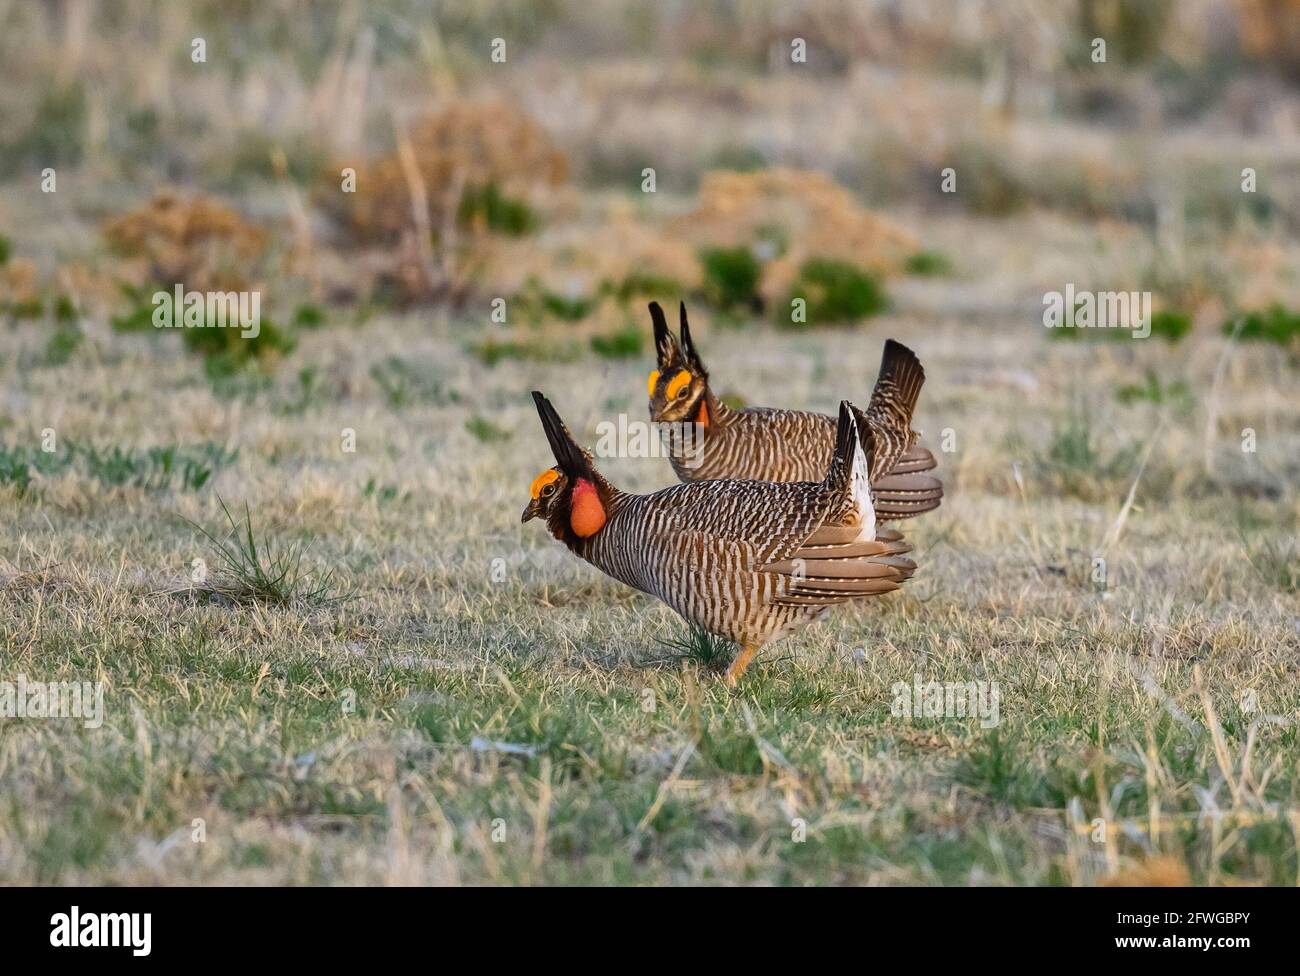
(534, 510)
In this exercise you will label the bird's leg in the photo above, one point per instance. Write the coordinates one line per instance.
(740, 662)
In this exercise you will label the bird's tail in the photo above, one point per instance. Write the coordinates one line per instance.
(905, 490)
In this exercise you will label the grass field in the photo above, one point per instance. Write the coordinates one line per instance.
(465, 703)
(328, 650)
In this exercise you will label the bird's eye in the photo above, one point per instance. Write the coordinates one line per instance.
(682, 393)
(548, 491)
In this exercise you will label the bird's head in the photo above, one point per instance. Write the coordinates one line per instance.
(679, 385)
(571, 496)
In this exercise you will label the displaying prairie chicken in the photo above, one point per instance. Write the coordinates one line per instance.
(746, 560)
(766, 444)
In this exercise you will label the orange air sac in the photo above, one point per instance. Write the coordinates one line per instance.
(586, 513)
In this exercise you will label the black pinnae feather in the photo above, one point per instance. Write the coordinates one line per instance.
(688, 346)
(567, 453)
(665, 345)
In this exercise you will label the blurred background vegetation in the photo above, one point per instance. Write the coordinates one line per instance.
(526, 178)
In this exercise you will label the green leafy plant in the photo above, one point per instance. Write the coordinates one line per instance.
(731, 276)
(836, 291)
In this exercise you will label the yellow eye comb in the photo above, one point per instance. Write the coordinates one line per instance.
(541, 481)
(678, 381)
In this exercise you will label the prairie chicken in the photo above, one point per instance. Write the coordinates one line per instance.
(706, 440)
(746, 560)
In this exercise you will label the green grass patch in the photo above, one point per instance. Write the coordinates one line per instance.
(835, 292)
(731, 276)
(488, 206)
(492, 351)
(254, 567)
(1176, 393)
(162, 468)
(1170, 325)
(928, 264)
(626, 343)
(405, 383)
(702, 648)
(485, 431)
(643, 285)
(1276, 324)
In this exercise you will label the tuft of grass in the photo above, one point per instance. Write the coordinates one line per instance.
(998, 766)
(836, 292)
(699, 646)
(15, 470)
(1075, 463)
(265, 571)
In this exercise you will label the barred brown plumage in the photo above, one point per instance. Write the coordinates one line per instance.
(746, 560)
(767, 444)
